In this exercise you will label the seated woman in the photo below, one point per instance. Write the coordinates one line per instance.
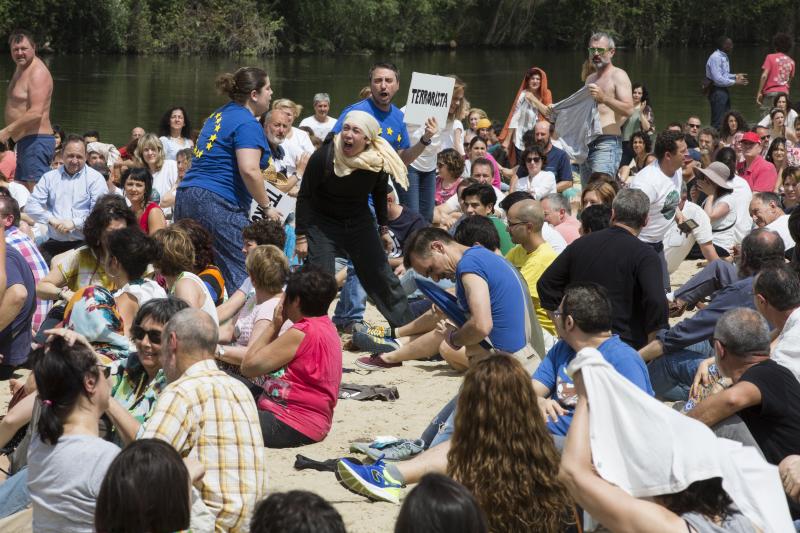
(538, 182)
(84, 266)
(130, 253)
(67, 459)
(137, 185)
(720, 206)
(450, 166)
(268, 269)
(598, 192)
(641, 146)
(176, 264)
(204, 259)
(296, 407)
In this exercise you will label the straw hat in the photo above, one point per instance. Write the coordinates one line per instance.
(718, 173)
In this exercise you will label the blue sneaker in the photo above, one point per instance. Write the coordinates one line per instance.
(372, 481)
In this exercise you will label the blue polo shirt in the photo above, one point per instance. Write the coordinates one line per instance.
(214, 166)
(393, 129)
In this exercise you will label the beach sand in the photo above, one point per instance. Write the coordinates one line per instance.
(424, 388)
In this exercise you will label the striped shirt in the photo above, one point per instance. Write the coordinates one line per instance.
(25, 246)
(213, 417)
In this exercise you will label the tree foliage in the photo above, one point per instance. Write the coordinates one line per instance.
(328, 26)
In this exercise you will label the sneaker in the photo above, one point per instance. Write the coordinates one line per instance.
(374, 362)
(375, 331)
(372, 481)
(400, 450)
(348, 328)
(372, 343)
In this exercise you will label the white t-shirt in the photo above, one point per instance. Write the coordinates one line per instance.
(787, 346)
(320, 129)
(453, 205)
(781, 226)
(251, 313)
(143, 290)
(664, 194)
(297, 145)
(19, 192)
(426, 161)
(724, 229)
(539, 186)
(741, 196)
(766, 122)
(165, 179)
(553, 238)
(173, 146)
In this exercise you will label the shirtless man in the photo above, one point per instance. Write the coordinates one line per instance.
(27, 114)
(611, 89)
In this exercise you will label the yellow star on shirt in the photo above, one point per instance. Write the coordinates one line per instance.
(389, 131)
(219, 116)
(200, 153)
(380, 131)
(399, 137)
(208, 146)
(213, 138)
(217, 127)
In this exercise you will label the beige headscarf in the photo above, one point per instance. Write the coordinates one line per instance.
(378, 155)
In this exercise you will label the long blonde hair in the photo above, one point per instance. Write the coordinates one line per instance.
(150, 140)
(461, 111)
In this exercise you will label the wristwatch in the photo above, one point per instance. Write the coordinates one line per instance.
(220, 353)
(424, 142)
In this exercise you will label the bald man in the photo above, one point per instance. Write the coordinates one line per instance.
(205, 413)
(531, 255)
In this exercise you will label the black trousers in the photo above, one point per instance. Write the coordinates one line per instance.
(720, 101)
(279, 435)
(358, 237)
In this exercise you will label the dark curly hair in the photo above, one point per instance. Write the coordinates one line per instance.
(108, 208)
(265, 231)
(741, 124)
(706, 497)
(164, 128)
(202, 241)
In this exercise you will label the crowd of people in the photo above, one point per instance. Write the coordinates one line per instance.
(172, 300)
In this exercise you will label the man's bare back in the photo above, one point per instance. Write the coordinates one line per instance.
(27, 110)
(615, 86)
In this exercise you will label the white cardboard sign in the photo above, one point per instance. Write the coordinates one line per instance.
(278, 200)
(429, 96)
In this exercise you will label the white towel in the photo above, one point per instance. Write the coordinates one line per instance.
(577, 123)
(646, 448)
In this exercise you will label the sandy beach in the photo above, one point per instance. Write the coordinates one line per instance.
(424, 388)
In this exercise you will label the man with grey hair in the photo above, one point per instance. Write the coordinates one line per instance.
(610, 87)
(558, 213)
(320, 122)
(764, 394)
(615, 258)
(766, 212)
(207, 414)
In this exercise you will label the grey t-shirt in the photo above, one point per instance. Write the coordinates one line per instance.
(736, 523)
(64, 481)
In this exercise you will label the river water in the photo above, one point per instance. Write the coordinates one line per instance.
(114, 93)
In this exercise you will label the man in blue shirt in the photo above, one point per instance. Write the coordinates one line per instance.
(718, 74)
(582, 320)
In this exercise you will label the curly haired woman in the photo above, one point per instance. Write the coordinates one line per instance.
(504, 456)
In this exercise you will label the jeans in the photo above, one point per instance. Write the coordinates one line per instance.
(225, 221)
(715, 276)
(14, 495)
(352, 299)
(441, 427)
(605, 154)
(720, 101)
(358, 238)
(672, 374)
(421, 192)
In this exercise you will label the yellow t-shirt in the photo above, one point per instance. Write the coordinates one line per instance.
(532, 265)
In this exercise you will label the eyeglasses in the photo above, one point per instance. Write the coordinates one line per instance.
(106, 370)
(138, 333)
(533, 159)
(598, 51)
(512, 224)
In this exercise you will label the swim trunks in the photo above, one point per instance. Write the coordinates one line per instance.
(34, 154)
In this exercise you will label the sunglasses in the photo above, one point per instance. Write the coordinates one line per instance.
(765, 137)
(138, 333)
(693, 125)
(533, 159)
(598, 51)
(106, 370)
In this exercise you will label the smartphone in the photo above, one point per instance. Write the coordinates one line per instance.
(687, 225)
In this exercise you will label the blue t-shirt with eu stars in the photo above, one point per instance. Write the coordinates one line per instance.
(214, 166)
(393, 129)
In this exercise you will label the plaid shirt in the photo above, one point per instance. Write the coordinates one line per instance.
(213, 417)
(24, 245)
